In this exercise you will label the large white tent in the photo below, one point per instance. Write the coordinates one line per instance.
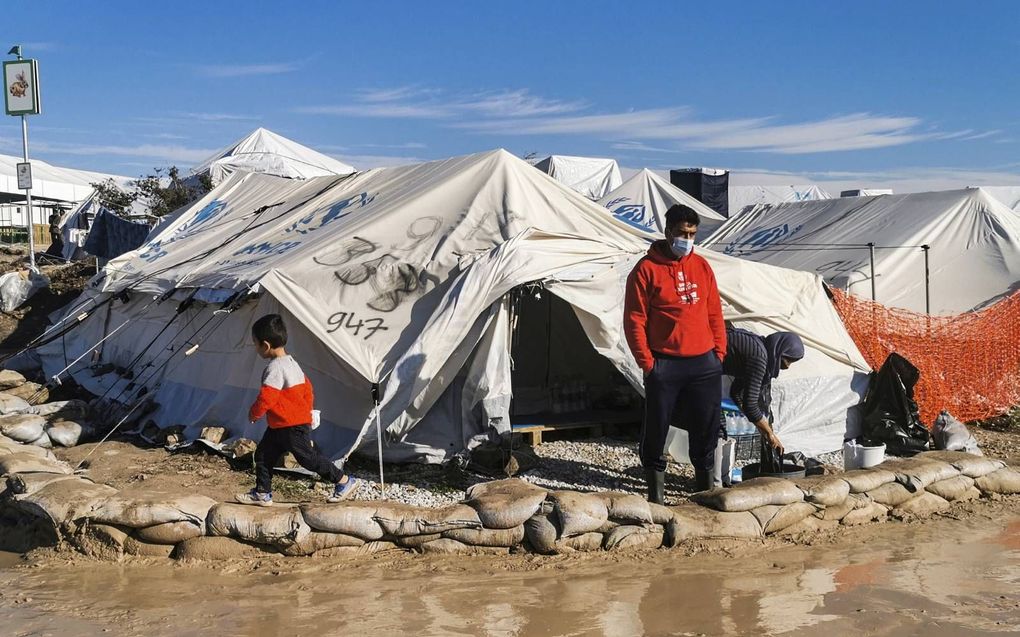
(743, 196)
(263, 151)
(593, 177)
(402, 278)
(642, 201)
(974, 241)
(1009, 195)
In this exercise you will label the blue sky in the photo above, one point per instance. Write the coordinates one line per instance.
(864, 92)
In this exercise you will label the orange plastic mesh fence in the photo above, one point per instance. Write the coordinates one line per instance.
(969, 363)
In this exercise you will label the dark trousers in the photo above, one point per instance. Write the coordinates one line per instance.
(691, 386)
(298, 441)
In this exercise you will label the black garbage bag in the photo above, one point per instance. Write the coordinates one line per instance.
(890, 412)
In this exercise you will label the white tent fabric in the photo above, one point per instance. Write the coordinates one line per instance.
(865, 192)
(75, 226)
(743, 196)
(593, 177)
(263, 151)
(52, 183)
(1009, 195)
(642, 201)
(974, 239)
(399, 276)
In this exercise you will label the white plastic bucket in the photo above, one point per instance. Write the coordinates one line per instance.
(871, 456)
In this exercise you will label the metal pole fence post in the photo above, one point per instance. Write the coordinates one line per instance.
(927, 280)
(871, 251)
(28, 197)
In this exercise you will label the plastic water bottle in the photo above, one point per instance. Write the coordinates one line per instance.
(731, 427)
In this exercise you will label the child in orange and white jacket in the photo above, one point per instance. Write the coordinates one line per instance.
(286, 400)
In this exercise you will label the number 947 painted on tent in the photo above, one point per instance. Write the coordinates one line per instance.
(21, 87)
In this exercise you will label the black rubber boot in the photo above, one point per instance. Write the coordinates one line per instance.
(656, 486)
(702, 480)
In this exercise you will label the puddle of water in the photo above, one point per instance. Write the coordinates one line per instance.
(933, 579)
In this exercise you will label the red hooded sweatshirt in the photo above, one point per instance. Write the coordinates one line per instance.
(672, 307)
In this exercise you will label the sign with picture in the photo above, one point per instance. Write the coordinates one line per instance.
(21, 87)
(24, 176)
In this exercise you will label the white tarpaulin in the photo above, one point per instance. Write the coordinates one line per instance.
(593, 177)
(263, 151)
(974, 256)
(642, 201)
(743, 196)
(399, 276)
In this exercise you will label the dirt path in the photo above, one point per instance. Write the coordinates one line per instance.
(953, 575)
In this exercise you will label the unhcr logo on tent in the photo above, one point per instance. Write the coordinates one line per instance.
(760, 239)
(631, 214)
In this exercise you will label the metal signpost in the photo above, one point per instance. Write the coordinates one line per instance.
(21, 97)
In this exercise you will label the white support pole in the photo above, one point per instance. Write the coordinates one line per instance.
(378, 436)
(28, 197)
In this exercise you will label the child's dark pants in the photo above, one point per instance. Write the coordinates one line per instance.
(298, 441)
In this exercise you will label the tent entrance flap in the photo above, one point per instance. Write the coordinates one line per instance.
(559, 379)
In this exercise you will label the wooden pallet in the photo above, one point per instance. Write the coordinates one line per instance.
(596, 423)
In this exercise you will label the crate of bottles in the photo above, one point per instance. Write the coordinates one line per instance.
(747, 440)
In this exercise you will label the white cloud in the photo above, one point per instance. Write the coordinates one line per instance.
(411, 102)
(246, 70)
(217, 117)
(161, 152)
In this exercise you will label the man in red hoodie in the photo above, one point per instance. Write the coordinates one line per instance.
(674, 326)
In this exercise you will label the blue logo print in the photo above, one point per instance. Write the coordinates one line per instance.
(760, 239)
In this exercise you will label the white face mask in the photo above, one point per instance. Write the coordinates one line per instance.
(681, 247)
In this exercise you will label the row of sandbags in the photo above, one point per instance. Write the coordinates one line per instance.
(26, 417)
(495, 516)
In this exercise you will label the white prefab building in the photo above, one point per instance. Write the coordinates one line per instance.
(412, 279)
(593, 177)
(974, 239)
(642, 201)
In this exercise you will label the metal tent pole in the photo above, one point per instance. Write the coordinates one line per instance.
(378, 435)
(927, 280)
(871, 250)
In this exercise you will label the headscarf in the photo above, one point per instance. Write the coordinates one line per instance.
(782, 345)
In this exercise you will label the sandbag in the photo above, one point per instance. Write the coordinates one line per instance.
(24, 428)
(634, 537)
(25, 483)
(12, 404)
(316, 541)
(836, 512)
(138, 510)
(504, 504)
(488, 537)
(918, 473)
(368, 548)
(578, 513)
(141, 548)
(922, 505)
(447, 546)
(7, 448)
(61, 409)
(810, 524)
(217, 548)
(628, 507)
(101, 541)
(691, 521)
(32, 393)
(9, 379)
(864, 480)
(661, 515)
(42, 441)
(63, 501)
(541, 532)
(891, 494)
(824, 490)
(24, 462)
(355, 518)
(415, 541)
(774, 518)
(64, 433)
(966, 463)
(951, 434)
(277, 526)
(870, 512)
(585, 542)
(750, 494)
(1005, 481)
(952, 489)
(170, 532)
(402, 520)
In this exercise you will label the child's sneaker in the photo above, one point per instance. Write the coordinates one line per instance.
(344, 490)
(256, 498)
